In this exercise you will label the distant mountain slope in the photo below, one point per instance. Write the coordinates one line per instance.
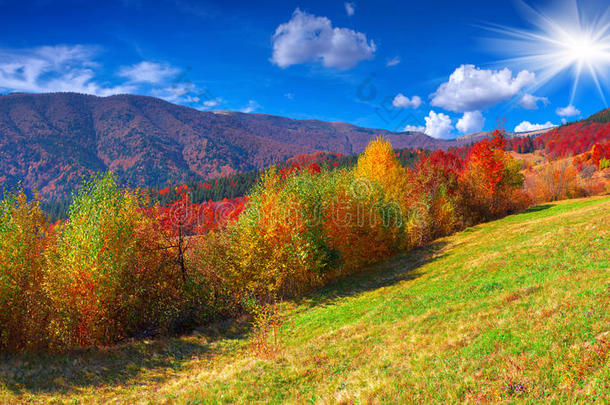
(573, 139)
(479, 136)
(602, 117)
(52, 141)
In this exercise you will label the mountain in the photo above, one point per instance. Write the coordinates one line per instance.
(53, 141)
(479, 136)
(576, 137)
(602, 117)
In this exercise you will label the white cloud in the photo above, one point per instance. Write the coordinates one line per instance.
(414, 128)
(438, 125)
(401, 101)
(187, 93)
(64, 68)
(568, 111)
(527, 126)
(251, 107)
(350, 8)
(307, 38)
(530, 102)
(472, 121)
(289, 96)
(211, 103)
(473, 89)
(148, 72)
(58, 68)
(394, 61)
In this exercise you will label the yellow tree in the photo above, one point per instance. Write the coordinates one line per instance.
(379, 163)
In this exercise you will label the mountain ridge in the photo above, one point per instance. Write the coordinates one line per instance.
(52, 141)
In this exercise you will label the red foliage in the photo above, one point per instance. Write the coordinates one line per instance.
(448, 161)
(182, 216)
(522, 144)
(296, 166)
(182, 189)
(594, 156)
(599, 152)
(573, 139)
(307, 160)
(483, 156)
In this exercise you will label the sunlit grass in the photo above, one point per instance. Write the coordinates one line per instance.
(514, 309)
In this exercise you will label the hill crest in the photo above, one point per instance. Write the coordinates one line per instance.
(51, 141)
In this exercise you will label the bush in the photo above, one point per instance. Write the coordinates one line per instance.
(379, 164)
(554, 181)
(109, 278)
(433, 188)
(490, 183)
(23, 305)
(276, 248)
(299, 229)
(362, 225)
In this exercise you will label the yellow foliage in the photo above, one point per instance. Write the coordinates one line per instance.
(23, 229)
(379, 163)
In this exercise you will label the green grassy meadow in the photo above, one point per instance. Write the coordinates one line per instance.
(515, 310)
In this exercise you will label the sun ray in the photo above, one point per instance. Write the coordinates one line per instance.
(593, 73)
(569, 42)
(575, 84)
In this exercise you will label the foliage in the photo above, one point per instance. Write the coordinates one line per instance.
(554, 181)
(379, 164)
(491, 182)
(277, 247)
(573, 139)
(23, 305)
(433, 189)
(361, 223)
(109, 277)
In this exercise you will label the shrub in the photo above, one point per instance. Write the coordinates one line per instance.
(109, 278)
(362, 225)
(379, 164)
(490, 183)
(276, 247)
(554, 181)
(23, 305)
(433, 187)
(210, 290)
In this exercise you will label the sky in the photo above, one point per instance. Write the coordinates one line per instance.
(446, 68)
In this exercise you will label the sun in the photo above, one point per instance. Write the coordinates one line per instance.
(564, 39)
(584, 50)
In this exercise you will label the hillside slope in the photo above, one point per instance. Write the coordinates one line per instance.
(513, 309)
(52, 141)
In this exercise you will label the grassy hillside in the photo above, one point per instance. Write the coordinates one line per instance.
(514, 309)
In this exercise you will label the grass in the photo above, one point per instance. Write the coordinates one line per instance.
(515, 310)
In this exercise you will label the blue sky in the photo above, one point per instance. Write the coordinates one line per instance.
(420, 65)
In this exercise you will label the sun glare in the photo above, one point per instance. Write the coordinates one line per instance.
(565, 39)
